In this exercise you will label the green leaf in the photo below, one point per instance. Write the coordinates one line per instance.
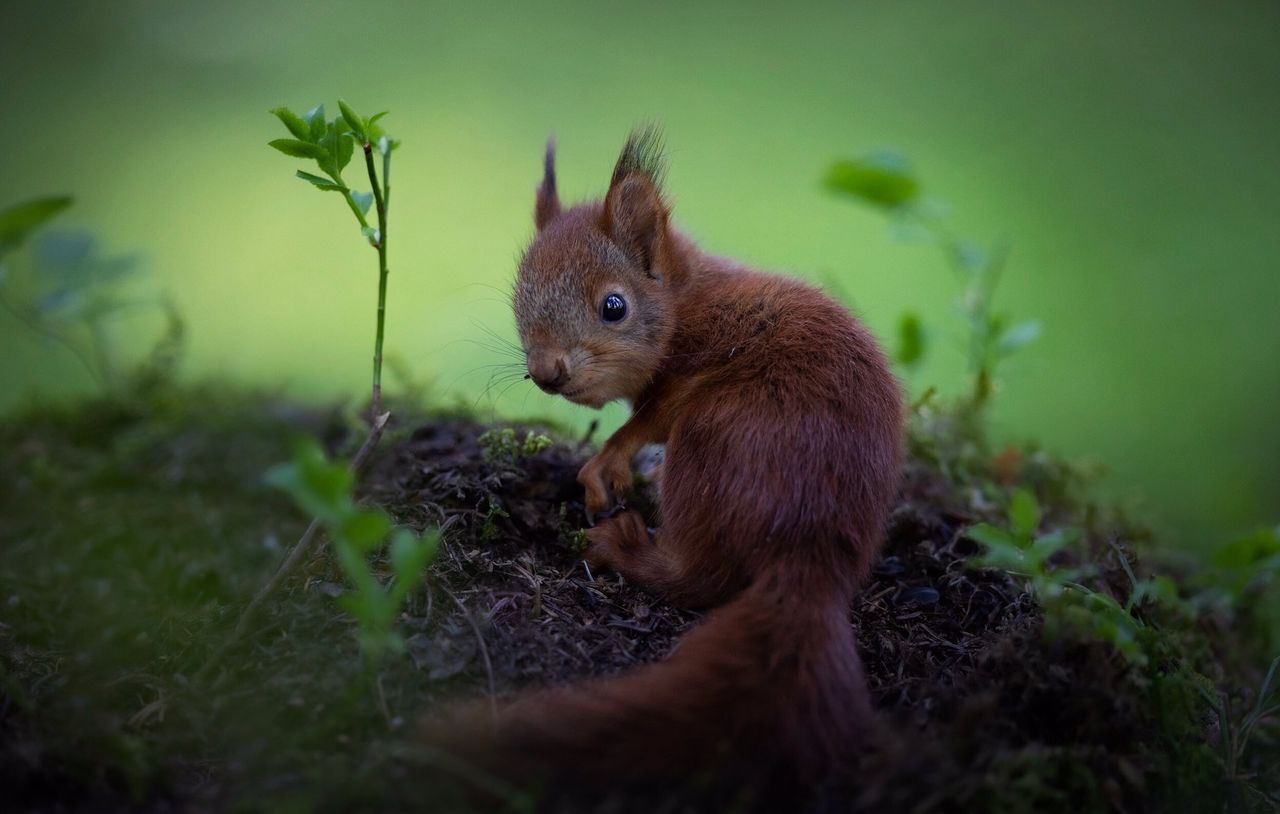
(315, 120)
(365, 529)
(373, 131)
(354, 121)
(329, 481)
(1003, 558)
(1159, 589)
(18, 221)
(883, 179)
(363, 200)
(1046, 545)
(319, 486)
(409, 555)
(294, 122)
(339, 144)
(971, 257)
(300, 149)
(320, 183)
(910, 339)
(991, 536)
(355, 604)
(1024, 514)
(1024, 333)
(346, 145)
(1247, 550)
(907, 228)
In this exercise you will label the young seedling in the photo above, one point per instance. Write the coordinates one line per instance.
(69, 292)
(331, 144)
(323, 489)
(886, 182)
(1234, 736)
(502, 446)
(1244, 576)
(1023, 551)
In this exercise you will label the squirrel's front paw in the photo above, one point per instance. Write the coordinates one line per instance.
(606, 479)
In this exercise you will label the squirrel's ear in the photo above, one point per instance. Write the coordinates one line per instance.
(547, 206)
(634, 213)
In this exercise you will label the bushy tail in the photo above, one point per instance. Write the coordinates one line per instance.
(769, 684)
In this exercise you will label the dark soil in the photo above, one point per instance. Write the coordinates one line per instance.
(978, 710)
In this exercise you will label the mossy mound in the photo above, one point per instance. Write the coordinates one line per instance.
(134, 534)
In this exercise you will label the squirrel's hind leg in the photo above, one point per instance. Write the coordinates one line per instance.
(623, 544)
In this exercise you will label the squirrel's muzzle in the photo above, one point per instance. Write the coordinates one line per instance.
(549, 370)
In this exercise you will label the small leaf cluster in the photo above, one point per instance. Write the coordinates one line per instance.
(886, 181)
(1022, 550)
(502, 445)
(67, 289)
(19, 222)
(331, 144)
(323, 489)
(1244, 576)
(489, 530)
(1235, 732)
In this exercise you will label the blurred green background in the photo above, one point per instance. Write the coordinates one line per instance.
(1128, 152)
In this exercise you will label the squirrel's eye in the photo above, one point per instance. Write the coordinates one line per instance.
(613, 308)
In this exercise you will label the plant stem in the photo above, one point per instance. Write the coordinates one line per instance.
(386, 180)
(380, 201)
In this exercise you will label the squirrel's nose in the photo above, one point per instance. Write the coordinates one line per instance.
(549, 371)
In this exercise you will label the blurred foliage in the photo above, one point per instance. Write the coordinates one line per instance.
(1242, 578)
(885, 180)
(322, 488)
(1069, 605)
(70, 293)
(19, 221)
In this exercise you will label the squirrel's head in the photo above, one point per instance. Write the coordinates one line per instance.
(592, 299)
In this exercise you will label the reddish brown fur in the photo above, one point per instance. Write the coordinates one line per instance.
(782, 426)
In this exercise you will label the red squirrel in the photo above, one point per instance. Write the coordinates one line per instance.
(782, 425)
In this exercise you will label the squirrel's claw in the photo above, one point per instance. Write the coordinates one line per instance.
(594, 517)
(606, 480)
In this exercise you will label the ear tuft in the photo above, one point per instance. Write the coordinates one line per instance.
(635, 215)
(547, 206)
(642, 155)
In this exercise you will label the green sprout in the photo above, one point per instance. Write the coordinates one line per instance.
(1023, 551)
(323, 488)
(1244, 577)
(489, 530)
(502, 446)
(331, 143)
(886, 182)
(69, 292)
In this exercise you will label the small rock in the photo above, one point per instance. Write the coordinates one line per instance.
(332, 589)
(889, 567)
(918, 596)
